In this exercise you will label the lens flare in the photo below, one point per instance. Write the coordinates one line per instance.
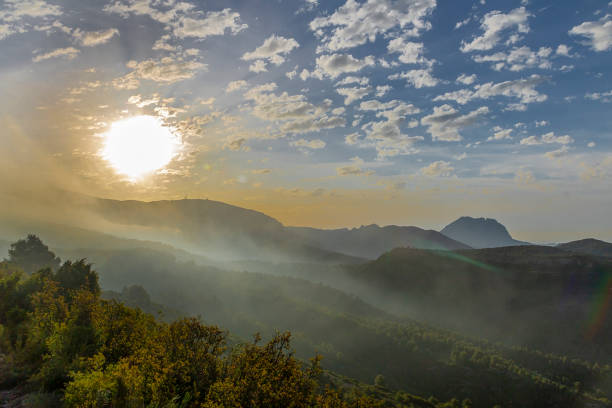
(139, 145)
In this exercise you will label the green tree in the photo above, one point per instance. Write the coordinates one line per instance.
(31, 255)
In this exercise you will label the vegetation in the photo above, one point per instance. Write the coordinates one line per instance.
(60, 338)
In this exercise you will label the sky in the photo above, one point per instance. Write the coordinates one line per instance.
(323, 113)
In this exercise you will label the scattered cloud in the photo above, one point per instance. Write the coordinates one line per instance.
(354, 169)
(166, 70)
(66, 53)
(410, 52)
(235, 85)
(355, 24)
(598, 33)
(518, 59)
(274, 50)
(466, 79)
(348, 80)
(556, 154)
(547, 138)
(333, 65)
(381, 90)
(523, 89)
(496, 23)
(310, 144)
(353, 94)
(445, 122)
(419, 78)
(597, 96)
(93, 38)
(438, 168)
(500, 134)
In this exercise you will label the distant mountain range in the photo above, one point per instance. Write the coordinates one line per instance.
(222, 230)
(371, 241)
(208, 231)
(480, 233)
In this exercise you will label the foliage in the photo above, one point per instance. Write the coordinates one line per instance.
(68, 342)
(31, 254)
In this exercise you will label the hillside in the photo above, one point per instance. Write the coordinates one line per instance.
(519, 295)
(215, 229)
(355, 339)
(480, 233)
(371, 241)
(588, 246)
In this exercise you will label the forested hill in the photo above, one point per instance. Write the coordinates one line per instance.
(519, 295)
(359, 342)
(589, 246)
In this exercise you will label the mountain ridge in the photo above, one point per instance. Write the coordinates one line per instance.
(480, 233)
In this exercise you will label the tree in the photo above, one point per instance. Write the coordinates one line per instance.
(31, 255)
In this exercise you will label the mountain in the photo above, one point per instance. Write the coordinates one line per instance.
(371, 241)
(518, 295)
(217, 230)
(588, 246)
(356, 339)
(480, 233)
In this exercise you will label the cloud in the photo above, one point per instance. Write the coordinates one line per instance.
(598, 33)
(355, 24)
(237, 144)
(310, 144)
(556, 154)
(272, 50)
(354, 169)
(410, 52)
(167, 70)
(67, 53)
(258, 66)
(493, 24)
(363, 81)
(445, 122)
(466, 79)
(563, 50)
(381, 90)
(93, 38)
(518, 59)
(182, 18)
(418, 78)
(16, 15)
(353, 94)
(386, 135)
(333, 65)
(294, 112)
(235, 85)
(210, 23)
(597, 96)
(500, 134)
(438, 168)
(523, 89)
(547, 139)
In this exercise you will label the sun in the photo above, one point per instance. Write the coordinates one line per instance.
(139, 145)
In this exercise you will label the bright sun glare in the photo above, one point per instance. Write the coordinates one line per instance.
(139, 145)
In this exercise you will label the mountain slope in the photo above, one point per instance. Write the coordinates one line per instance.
(520, 295)
(371, 241)
(480, 233)
(215, 229)
(588, 246)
